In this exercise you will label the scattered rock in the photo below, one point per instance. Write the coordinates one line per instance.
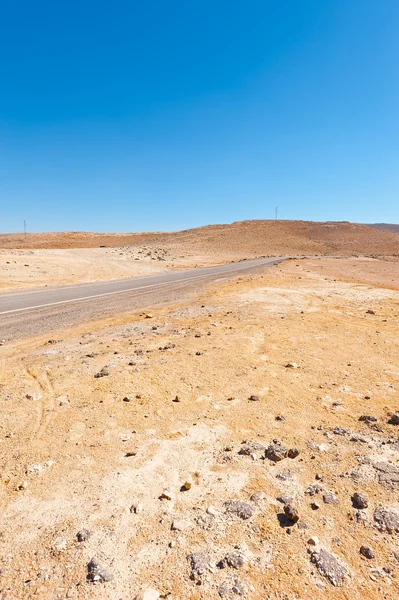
(370, 312)
(166, 495)
(275, 452)
(359, 500)
(394, 420)
(149, 316)
(314, 489)
(341, 431)
(313, 541)
(368, 419)
(251, 448)
(254, 398)
(136, 508)
(386, 520)
(388, 473)
(83, 535)
(232, 559)
(96, 573)
(367, 552)
(60, 544)
(228, 590)
(199, 563)
(284, 499)
(330, 499)
(293, 452)
(103, 373)
(186, 486)
(291, 513)
(181, 525)
(291, 365)
(329, 567)
(239, 508)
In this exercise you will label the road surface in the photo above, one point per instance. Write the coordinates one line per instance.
(38, 311)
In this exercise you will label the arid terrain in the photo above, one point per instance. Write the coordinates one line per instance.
(212, 449)
(65, 258)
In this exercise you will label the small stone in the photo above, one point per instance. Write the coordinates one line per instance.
(136, 508)
(329, 567)
(211, 510)
(186, 486)
(387, 520)
(176, 399)
(83, 535)
(251, 447)
(166, 495)
(239, 508)
(314, 489)
(199, 353)
(280, 417)
(368, 418)
(103, 373)
(291, 365)
(254, 398)
(275, 452)
(199, 563)
(60, 544)
(97, 573)
(149, 594)
(127, 399)
(341, 430)
(367, 552)
(181, 525)
(313, 541)
(291, 513)
(235, 559)
(315, 506)
(149, 316)
(370, 312)
(330, 499)
(284, 499)
(360, 500)
(293, 452)
(394, 420)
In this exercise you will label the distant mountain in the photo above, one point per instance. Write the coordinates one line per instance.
(386, 227)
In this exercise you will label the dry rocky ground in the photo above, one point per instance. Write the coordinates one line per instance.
(212, 450)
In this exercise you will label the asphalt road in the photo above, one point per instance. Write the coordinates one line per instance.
(38, 311)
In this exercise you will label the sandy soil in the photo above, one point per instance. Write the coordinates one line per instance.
(62, 258)
(102, 426)
(23, 269)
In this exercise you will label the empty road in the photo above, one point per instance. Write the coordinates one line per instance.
(39, 311)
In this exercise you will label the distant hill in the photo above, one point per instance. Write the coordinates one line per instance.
(386, 227)
(236, 240)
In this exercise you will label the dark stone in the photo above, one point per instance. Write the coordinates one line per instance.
(367, 552)
(394, 420)
(293, 452)
(330, 499)
(275, 452)
(291, 513)
(359, 500)
(97, 573)
(83, 535)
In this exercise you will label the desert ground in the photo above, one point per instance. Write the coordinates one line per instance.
(212, 449)
(51, 259)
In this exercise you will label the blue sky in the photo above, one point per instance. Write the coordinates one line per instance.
(134, 116)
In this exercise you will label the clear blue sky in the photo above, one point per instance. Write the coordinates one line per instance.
(162, 115)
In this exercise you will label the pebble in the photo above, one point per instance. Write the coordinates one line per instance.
(329, 567)
(60, 544)
(211, 510)
(136, 508)
(97, 573)
(103, 373)
(291, 365)
(254, 398)
(367, 552)
(394, 420)
(330, 499)
(186, 486)
(181, 525)
(275, 452)
(360, 500)
(291, 513)
(239, 508)
(166, 495)
(313, 541)
(199, 563)
(83, 535)
(293, 452)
